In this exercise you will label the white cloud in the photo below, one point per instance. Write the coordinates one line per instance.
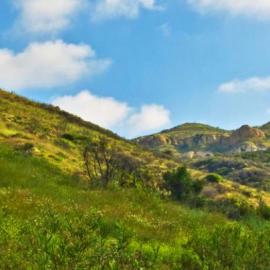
(109, 9)
(255, 8)
(48, 64)
(249, 85)
(111, 113)
(52, 16)
(104, 111)
(47, 16)
(150, 117)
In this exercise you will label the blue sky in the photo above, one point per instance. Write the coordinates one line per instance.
(138, 66)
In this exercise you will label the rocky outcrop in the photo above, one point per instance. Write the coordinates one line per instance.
(201, 140)
(154, 140)
(246, 133)
(199, 154)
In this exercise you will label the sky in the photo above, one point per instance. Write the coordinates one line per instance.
(140, 66)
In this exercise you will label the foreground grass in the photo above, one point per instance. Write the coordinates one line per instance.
(49, 220)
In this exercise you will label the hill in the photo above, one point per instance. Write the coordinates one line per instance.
(193, 139)
(61, 138)
(210, 149)
(54, 216)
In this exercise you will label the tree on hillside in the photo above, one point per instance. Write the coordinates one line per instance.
(98, 156)
(106, 162)
(181, 184)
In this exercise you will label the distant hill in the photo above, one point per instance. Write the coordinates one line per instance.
(238, 154)
(199, 139)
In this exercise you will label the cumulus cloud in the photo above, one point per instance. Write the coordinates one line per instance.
(52, 16)
(150, 117)
(249, 85)
(111, 113)
(104, 111)
(258, 8)
(109, 9)
(48, 64)
(47, 16)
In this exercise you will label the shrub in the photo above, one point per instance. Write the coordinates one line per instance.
(68, 137)
(26, 148)
(263, 210)
(231, 246)
(180, 183)
(235, 208)
(213, 178)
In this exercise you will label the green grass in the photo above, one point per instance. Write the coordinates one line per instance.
(36, 177)
(49, 220)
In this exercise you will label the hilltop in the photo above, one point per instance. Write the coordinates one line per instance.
(204, 138)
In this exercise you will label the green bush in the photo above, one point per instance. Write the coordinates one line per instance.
(180, 183)
(231, 246)
(68, 137)
(263, 210)
(26, 148)
(213, 178)
(235, 208)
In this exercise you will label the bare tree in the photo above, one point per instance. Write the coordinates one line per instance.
(106, 162)
(98, 158)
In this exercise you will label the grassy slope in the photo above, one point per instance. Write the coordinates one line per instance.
(29, 186)
(49, 221)
(191, 129)
(23, 121)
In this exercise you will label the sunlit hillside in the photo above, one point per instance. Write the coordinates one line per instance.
(53, 216)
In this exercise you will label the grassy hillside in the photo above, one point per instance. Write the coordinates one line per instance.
(49, 221)
(60, 138)
(51, 217)
(191, 129)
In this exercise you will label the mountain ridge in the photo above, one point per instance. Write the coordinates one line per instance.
(190, 136)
